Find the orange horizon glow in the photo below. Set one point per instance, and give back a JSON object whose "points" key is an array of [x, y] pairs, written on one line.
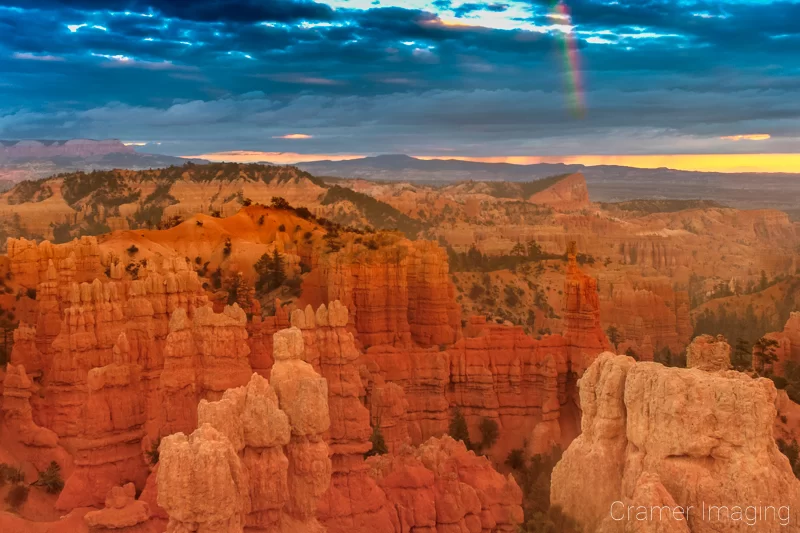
{"points": [[294, 136], [727, 163], [750, 137]]}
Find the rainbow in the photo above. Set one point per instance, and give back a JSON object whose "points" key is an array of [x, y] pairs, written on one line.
{"points": [[572, 68]]}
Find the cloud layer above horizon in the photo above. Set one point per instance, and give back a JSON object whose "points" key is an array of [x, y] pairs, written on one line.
{"points": [[427, 77]]}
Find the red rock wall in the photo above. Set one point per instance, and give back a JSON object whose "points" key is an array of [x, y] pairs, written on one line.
{"points": [[397, 294]]}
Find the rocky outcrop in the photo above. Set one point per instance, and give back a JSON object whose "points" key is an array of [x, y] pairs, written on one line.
{"points": [[201, 482], [441, 487], [91, 325], [203, 357], [499, 372], [109, 433], [707, 436], [395, 294], [20, 434], [77, 261], [569, 194], [547, 433], [259, 338], [583, 334], [424, 375], [303, 396], [709, 353], [258, 453], [258, 430], [788, 348], [122, 513], [388, 411], [329, 347], [645, 309]]}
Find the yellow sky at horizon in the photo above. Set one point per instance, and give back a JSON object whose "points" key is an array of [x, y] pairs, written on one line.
{"points": [[693, 162]]}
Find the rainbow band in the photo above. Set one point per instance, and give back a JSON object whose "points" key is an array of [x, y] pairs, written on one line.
{"points": [[575, 94]]}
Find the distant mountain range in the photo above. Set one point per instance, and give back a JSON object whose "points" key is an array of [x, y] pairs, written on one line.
{"points": [[34, 159], [606, 183]]}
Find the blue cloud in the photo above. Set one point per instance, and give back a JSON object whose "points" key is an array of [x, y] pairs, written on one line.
{"points": [[692, 70]]}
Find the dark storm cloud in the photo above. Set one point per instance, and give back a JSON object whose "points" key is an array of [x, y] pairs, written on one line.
{"points": [[203, 11], [466, 9], [204, 76]]}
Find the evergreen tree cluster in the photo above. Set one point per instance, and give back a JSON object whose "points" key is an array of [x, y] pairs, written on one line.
{"points": [[270, 272]]}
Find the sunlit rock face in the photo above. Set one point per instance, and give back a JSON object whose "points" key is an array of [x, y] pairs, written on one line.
{"points": [[709, 353], [258, 459], [670, 434], [396, 294]]}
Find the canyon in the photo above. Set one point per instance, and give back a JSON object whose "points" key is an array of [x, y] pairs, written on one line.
{"points": [[299, 367]]}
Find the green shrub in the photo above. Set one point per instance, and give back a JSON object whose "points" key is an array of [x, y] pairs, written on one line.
{"points": [[153, 454], [378, 443], [458, 428], [17, 496], [51, 479], [9, 474], [489, 432], [516, 459]]}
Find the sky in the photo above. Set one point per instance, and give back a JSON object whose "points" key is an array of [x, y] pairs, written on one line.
{"points": [[652, 82]]}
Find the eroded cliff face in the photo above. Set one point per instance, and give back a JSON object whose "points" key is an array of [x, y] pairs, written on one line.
{"points": [[788, 347], [123, 362], [258, 459], [583, 335], [399, 294], [331, 349], [569, 194], [641, 441], [441, 487], [109, 432]]}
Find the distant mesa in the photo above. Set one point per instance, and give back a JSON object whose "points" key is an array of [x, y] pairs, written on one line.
{"points": [[33, 159], [26, 149]]}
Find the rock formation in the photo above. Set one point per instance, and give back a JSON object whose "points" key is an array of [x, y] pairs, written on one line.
{"points": [[498, 372], [583, 334], [329, 347], [388, 411], [258, 453], [122, 513], [569, 194], [77, 261], [398, 293], [91, 325], [709, 353], [707, 436], [203, 357], [107, 444], [788, 340], [201, 483], [441, 487], [19, 433]]}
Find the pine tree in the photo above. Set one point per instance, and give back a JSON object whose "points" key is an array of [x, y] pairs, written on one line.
{"points": [[276, 273], [378, 443], [742, 355], [613, 335], [458, 428]]}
